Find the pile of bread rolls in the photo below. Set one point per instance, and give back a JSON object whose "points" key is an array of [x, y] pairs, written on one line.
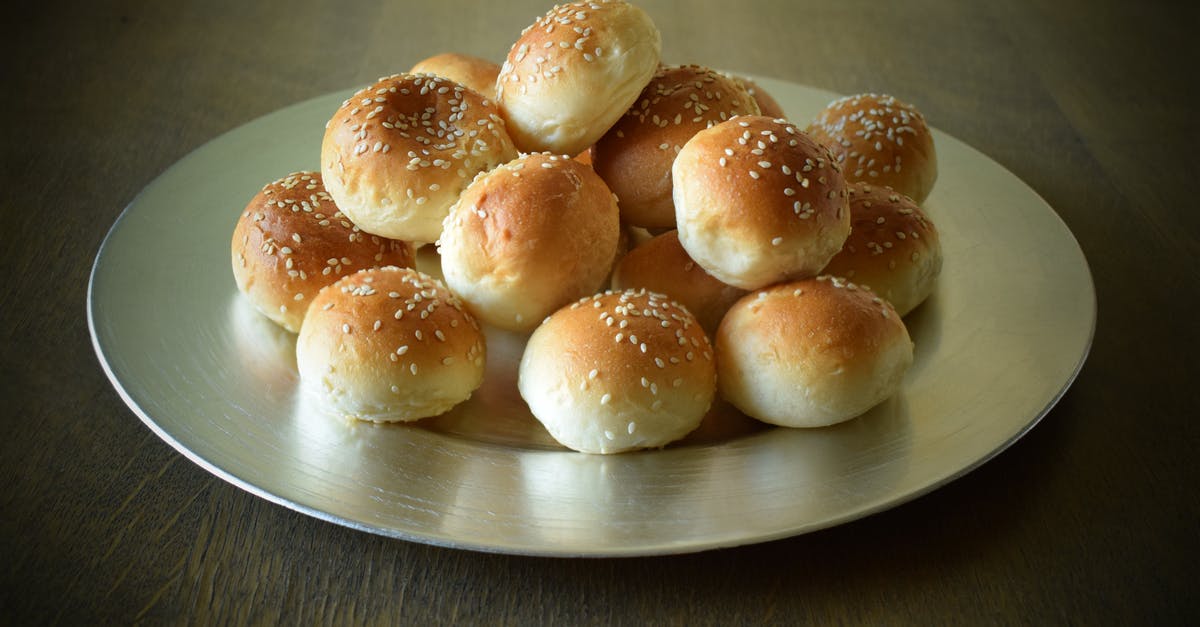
{"points": [[662, 233]]}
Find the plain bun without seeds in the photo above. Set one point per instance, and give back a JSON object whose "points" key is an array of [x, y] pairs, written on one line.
{"points": [[811, 353], [470, 72], [618, 371], [397, 154], [574, 72], [528, 238], [893, 248], [291, 241], [758, 201], [389, 344], [634, 157]]}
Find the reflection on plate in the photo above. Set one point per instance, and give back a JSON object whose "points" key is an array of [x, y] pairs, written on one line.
{"points": [[997, 344]]}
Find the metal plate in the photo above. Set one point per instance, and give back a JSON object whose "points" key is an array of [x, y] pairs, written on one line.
{"points": [[998, 343]]}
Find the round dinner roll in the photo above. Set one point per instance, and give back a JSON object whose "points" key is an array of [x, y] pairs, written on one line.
{"points": [[292, 240], [662, 265], [471, 72], [618, 371], [634, 157], [758, 202], [574, 72], [389, 344], [811, 353], [892, 249], [766, 103], [397, 154], [529, 237], [879, 140]]}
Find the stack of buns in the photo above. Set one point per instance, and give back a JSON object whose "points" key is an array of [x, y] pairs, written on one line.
{"points": [[749, 257]]}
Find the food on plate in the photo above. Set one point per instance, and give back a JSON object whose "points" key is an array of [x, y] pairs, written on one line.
{"points": [[662, 265], [618, 371], [389, 344], [634, 157], [574, 72], [766, 103], [879, 140], [811, 353], [468, 71], [529, 237], [758, 201], [893, 247], [397, 154], [291, 240]]}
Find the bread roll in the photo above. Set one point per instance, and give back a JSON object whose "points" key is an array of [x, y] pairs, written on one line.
{"points": [[662, 265], [767, 105], [574, 72], [634, 157], [892, 249], [811, 353], [758, 202], [880, 140], [292, 240], [618, 371], [389, 344], [470, 72], [397, 154], [529, 237]]}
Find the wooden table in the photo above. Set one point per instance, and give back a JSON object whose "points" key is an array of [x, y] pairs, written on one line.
{"points": [[1091, 518]]}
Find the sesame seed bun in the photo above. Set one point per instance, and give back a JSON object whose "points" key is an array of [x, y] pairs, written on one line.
{"points": [[574, 72], [766, 103], [292, 240], [758, 202], [397, 154], [389, 344], [634, 157], [470, 72], [529, 237], [662, 265], [880, 140], [811, 353], [618, 371], [892, 249]]}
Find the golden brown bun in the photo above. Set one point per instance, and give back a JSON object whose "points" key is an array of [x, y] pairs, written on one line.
{"points": [[662, 265], [892, 249], [389, 344], [758, 202], [397, 154], [618, 371], [574, 72], [766, 104], [811, 353], [881, 141], [291, 241], [529, 237], [634, 157], [471, 72]]}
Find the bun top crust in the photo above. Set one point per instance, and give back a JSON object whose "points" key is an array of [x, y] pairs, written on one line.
{"points": [[397, 154], [528, 238], [879, 140], [292, 240], [574, 72], [470, 72], [662, 265], [768, 106], [758, 201], [634, 157], [893, 248]]}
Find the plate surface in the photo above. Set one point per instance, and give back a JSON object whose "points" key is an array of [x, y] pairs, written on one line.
{"points": [[998, 343]]}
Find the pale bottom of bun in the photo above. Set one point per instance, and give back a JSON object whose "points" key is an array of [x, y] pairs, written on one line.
{"points": [[379, 405], [804, 395]]}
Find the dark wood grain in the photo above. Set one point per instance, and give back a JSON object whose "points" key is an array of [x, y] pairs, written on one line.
{"points": [[1092, 518]]}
